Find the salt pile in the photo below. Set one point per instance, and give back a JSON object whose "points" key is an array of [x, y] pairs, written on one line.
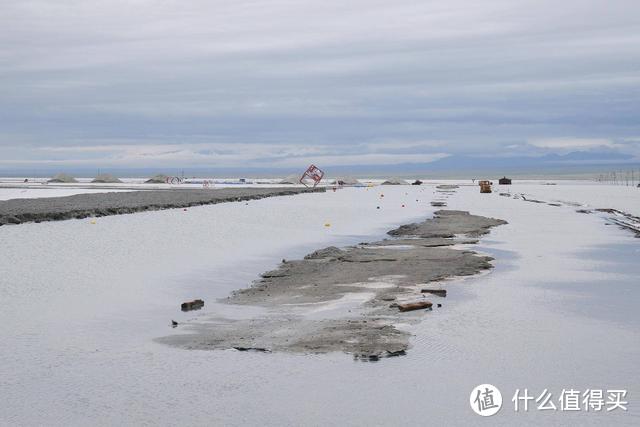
{"points": [[63, 178], [106, 178]]}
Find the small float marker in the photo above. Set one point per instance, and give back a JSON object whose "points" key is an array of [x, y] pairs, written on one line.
{"points": [[327, 225]]}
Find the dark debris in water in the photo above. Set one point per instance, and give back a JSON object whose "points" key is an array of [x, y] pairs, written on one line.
{"points": [[377, 357]]}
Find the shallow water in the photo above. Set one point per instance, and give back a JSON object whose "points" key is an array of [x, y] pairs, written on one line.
{"points": [[82, 304]]}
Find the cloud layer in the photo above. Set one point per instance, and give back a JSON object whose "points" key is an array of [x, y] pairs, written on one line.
{"points": [[287, 82]]}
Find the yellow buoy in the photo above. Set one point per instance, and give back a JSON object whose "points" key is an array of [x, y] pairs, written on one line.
{"points": [[327, 225], [93, 221]]}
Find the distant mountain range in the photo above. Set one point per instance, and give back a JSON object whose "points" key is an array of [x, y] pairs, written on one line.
{"points": [[574, 164], [584, 164]]}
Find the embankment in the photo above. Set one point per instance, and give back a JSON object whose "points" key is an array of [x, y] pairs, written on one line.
{"points": [[18, 211]]}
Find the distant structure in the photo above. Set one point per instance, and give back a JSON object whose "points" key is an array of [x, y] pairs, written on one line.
{"points": [[63, 178], [485, 186], [106, 178], [504, 181]]}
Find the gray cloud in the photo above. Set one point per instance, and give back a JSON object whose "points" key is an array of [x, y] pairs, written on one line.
{"points": [[264, 82]]}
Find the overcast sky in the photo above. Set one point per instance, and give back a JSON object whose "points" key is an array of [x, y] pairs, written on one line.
{"points": [[283, 83]]}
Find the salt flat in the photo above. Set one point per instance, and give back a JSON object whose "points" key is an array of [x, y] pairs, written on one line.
{"points": [[587, 194], [83, 303]]}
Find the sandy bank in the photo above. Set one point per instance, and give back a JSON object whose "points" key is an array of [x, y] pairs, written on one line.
{"points": [[18, 211], [346, 299]]}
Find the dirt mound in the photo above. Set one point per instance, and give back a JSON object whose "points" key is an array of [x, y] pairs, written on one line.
{"points": [[106, 178], [63, 178], [395, 181], [346, 180], [291, 179], [158, 179]]}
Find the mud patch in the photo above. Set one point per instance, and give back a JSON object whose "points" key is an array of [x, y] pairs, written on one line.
{"points": [[18, 211], [346, 299]]}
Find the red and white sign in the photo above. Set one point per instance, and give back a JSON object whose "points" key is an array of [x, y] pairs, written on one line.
{"points": [[312, 176]]}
